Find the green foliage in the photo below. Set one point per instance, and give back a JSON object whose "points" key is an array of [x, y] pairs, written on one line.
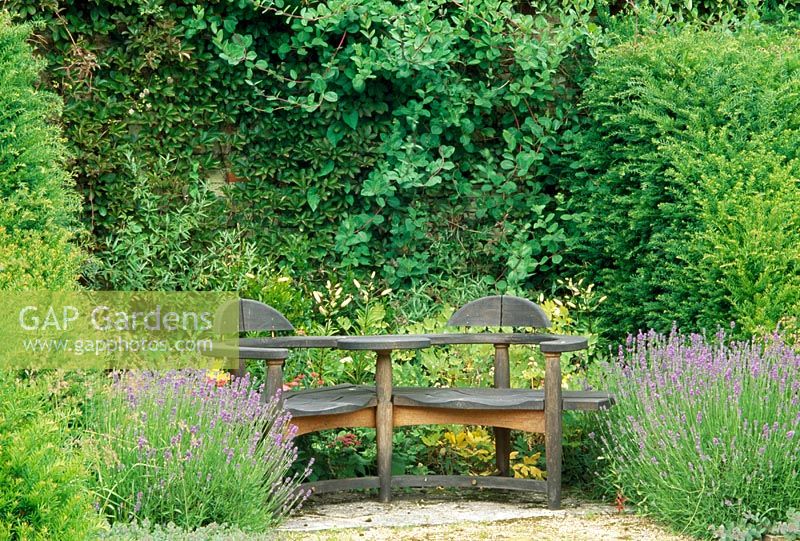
{"points": [[687, 180], [280, 291], [163, 242], [456, 113], [341, 453], [43, 483], [420, 140], [416, 139], [751, 240], [37, 204]]}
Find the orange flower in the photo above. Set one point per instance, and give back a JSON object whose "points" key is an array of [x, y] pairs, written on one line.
{"points": [[219, 377]]}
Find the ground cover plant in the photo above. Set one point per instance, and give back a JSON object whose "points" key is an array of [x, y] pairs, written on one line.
{"points": [[145, 531], [184, 448], [705, 435]]}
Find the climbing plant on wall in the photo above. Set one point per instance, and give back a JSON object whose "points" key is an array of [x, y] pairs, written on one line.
{"points": [[414, 139]]}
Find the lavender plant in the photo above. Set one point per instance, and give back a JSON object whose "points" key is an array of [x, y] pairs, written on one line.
{"points": [[180, 447], [705, 431]]}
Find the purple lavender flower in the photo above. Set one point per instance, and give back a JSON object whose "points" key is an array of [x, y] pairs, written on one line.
{"points": [[138, 506], [719, 417], [224, 424]]}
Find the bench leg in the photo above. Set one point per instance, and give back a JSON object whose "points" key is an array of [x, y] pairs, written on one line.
{"points": [[502, 449], [502, 436], [241, 370], [553, 427], [384, 423], [274, 379]]}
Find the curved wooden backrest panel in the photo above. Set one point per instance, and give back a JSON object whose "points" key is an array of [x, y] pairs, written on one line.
{"points": [[254, 316], [500, 311]]}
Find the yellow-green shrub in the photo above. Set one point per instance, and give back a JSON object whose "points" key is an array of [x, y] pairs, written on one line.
{"points": [[37, 205], [43, 483]]}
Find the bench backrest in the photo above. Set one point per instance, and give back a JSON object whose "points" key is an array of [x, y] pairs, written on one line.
{"points": [[500, 311], [254, 316]]}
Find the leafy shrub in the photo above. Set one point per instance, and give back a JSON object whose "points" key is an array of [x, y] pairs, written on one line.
{"points": [[705, 432], [37, 205], [470, 450], [686, 180], [282, 292], [178, 447], [436, 157], [164, 242], [43, 483]]}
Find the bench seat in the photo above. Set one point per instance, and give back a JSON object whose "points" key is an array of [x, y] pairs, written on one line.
{"points": [[348, 398], [496, 399], [331, 400]]}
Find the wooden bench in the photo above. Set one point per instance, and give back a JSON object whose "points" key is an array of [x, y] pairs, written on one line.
{"points": [[384, 407]]}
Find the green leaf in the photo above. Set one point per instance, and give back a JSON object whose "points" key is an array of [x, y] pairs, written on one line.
{"points": [[334, 134], [327, 168], [351, 118], [313, 198]]}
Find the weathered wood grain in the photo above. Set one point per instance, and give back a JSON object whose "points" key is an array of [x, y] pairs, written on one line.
{"points": [[252, 316], [291, 342], [274, 380], [466, 481], [387, 342], [500, 311], [469, 398], [562, 343], [329, 400], [314, 423], [550, 342], [553, 428], [427, 481], [518, 312], [502, 436], [339, 485], [525, 420], [384, 423], [224, 349], [485, 312], [489, 398]]}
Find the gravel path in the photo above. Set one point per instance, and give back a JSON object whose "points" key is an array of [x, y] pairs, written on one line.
{"points": [[466, 515]]}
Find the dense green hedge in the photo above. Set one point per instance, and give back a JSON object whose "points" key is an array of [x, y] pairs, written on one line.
{"points": [[412, 138], [689, 177], [43, 478], [37, 206]]}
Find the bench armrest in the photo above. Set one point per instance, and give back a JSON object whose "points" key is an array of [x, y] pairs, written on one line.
{"points": [[548, 342], [563, 344]]}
